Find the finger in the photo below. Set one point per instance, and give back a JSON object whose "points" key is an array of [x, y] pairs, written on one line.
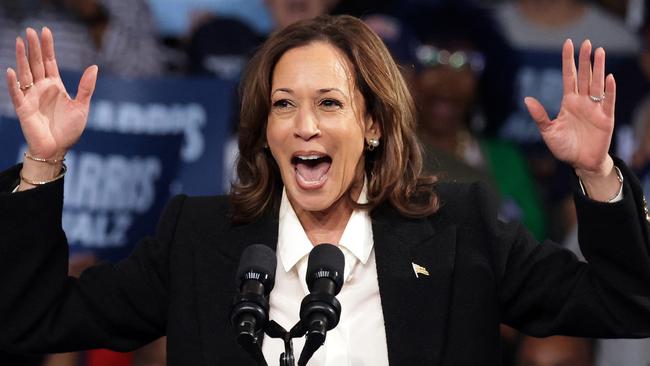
{"points": [[538, 113], [568, 68], [610, 95], [35, 56], [598, 79], [584, 68], [49, 58], [87, 85], [14, 91], [24, 73]]}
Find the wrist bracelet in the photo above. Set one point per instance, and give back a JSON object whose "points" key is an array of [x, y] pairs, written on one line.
{"points": [[619, 175], [618, 194], [41, 160], [64, 169]]}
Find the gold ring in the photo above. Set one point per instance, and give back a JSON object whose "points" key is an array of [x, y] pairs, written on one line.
{"points": [[25, 87], [597, 99]]}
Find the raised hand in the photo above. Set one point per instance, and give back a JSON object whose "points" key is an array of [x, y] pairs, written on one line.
{"points": [[50, 120], [582, 132]]}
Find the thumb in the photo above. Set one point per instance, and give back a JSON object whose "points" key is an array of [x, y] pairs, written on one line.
{"points": [[538, 113], [87, 85]]}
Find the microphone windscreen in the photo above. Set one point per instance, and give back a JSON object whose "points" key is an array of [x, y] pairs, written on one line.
{"points": [[257, 262], [326, 260]]}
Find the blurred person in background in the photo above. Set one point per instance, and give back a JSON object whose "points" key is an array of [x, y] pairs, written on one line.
{"points": [[120, 36], [535, 28], [463, 88], [556, 351]]}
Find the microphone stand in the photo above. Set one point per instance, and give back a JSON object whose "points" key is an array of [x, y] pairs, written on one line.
{"points": [[320, 311], [251, 343], [275, 330], [314, 339]]}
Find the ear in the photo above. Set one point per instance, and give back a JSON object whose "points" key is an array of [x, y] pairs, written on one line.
{"points": [[373, 129]]}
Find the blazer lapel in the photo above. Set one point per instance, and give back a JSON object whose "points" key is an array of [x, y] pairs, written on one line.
{"points": [[216, 266], [415, 307]]}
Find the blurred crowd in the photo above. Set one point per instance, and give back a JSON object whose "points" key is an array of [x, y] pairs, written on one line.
{"points": [[469, 65]]}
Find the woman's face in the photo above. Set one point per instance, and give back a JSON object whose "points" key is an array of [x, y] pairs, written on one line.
{"points": [[317, 126], [446, 96]]}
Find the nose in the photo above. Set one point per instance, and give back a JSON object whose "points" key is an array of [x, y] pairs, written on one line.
{"points": [[306, 124]]}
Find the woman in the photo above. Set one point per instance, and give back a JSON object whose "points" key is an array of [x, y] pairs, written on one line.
{"points": [[431, 271], [466, 74]]}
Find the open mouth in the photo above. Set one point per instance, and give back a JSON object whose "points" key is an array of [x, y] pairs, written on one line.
{"points": [[311, 168]]}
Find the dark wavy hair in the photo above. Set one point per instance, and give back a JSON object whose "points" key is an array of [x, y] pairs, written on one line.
{"points": [[393, 169]]}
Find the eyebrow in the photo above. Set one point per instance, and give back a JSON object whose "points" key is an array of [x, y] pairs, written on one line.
{"points": [[320, 91], [326, 90], [286, 90]]}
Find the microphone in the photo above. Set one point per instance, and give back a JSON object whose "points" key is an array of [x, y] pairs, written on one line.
{"points": [[320, 310], [250, 310]]}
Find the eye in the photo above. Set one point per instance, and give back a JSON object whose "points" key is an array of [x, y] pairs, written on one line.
{"points": [[282, 104], [330, 103]]}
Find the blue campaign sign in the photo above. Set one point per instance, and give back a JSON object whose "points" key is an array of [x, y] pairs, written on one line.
{"points": [[197, 108], [141, 137], [115, 187]]}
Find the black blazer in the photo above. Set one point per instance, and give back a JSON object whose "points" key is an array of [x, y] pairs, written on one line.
{"points": [[181, 282]]}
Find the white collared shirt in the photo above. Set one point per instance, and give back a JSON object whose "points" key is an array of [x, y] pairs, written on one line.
{"points": [[360, 338]]}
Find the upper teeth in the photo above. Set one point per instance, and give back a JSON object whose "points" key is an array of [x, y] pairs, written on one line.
{"points": [[309, 157]]}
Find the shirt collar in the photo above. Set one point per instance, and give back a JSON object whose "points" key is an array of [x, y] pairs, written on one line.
{"points": [[293, 243]]}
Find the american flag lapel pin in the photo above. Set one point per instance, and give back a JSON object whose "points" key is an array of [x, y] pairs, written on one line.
{"points": [[419, 270]]}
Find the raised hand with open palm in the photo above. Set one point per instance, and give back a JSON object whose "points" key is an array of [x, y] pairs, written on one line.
{"points": [[51, 121], [581, 133]]}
